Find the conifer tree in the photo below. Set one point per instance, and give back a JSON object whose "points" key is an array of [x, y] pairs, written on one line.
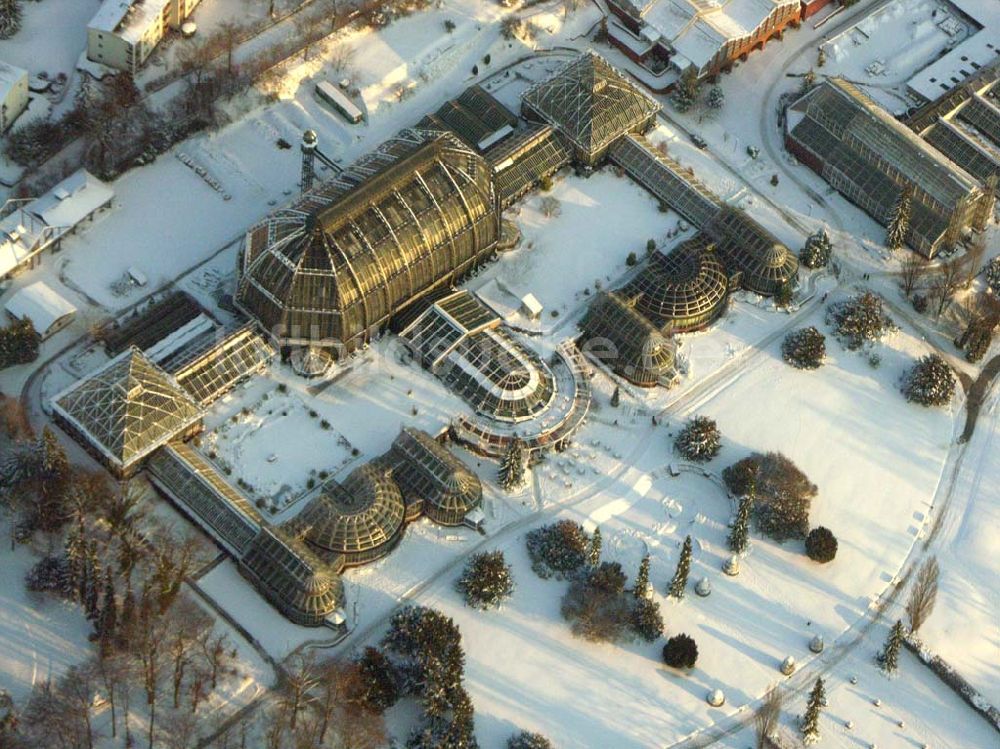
{"points": [[739, 534], [107, 623], [616, 397], [889, 657], [899, 223], [594, 554], [810, 721], [74, 548], [511, 474], [10, 18], [679, 583], [641, 587], [53, 479]]}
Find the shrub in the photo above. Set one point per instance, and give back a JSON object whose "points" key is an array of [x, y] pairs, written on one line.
{"points": [[449, 25], [647, 621], [379, 690], [631, 260], [817, 250], [993, 274], [681, 651], [859, 320], [18, 344], [486, 581], [821, 545], [804, 348], [930, 382], [699, 440], [558, 549], [526, 740], [545, 183], [782, 493]]}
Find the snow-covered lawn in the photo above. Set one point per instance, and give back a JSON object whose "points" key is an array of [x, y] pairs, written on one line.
{"points": [[42, 636], [53, 35], [964, 628], [876, 460]]}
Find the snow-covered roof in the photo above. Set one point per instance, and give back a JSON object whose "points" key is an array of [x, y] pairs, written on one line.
{"points": [[531, 304], [953, 68], [71, 201], [698, 29], [128, 19], [18, 240], [41, 304], [10, 75]]}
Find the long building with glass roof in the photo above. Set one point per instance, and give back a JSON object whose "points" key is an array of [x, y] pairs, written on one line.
{"points": [[871, 158]]}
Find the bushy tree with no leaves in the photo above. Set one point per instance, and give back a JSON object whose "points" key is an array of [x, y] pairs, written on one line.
{"points": [[821, 545], [681, 651], [782, 493], [859, 320], [700, 440], [930, 382], [487, 580], [10, 18], [596, 605], [804, 348]]}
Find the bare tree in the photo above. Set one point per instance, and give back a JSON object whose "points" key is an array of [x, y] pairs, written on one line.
{"points": [[229, 35], [549, 206], [766, 716], [974, 257], [923, 594], [946, 283], [301, 678], [912, 269]]}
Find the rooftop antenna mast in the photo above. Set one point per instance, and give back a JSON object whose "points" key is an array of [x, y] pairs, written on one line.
{"points": [[310, 153]]}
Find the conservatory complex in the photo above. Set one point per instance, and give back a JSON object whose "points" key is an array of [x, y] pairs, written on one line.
{"points": [[871, 158]]}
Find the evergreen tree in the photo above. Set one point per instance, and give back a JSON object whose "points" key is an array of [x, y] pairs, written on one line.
{"points": [[810, 721], [641, 587], [686, 92], [679, 583], [899, 223], [53, 483], [739, 534], [107, 623], [817, 250], [74, 548], [594, 553], [716, 99], [616, 397], [511, 474], [10, 18], [380, 690], [889, 657]]}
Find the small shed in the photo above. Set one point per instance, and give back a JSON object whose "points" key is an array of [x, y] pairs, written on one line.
{"points": [[531, 307], [45, 308]]}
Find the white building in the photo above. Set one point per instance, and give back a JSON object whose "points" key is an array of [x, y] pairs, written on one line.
{"points": [[13, 93], [43, 306], [33, 226], [123, 33]]}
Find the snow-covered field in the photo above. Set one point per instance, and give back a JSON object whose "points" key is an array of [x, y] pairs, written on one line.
{"points": [[873, 492]]}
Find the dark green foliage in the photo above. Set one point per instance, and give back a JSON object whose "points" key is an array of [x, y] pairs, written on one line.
{"points": [[381, 690], [647, 621], [930, 382], [526, 740], [631, 260], [616, 397], [558, 549], [680, 579], [889, 657], [641, 587], [681, 651], [511, 473], [782, 493], [18, 344], [739, 534], [449, 25], [804, 348], [859, 320], [817, 250], [487, 581], [821, 545], [810, 721], [899, 223], [49, 575], [594, 553], [699, 440]]}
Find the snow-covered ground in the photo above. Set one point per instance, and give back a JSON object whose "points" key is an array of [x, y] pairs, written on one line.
{"points": [[581, 694], [965, 626], [52, 37]]}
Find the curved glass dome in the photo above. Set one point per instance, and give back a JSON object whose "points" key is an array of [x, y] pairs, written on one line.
{"points": [[683, 290], [765, 264], [336, 265], [359, 520]]}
